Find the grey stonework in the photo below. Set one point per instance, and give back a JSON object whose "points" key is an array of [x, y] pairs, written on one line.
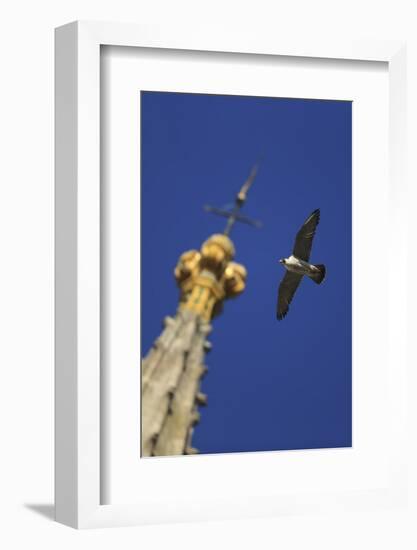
{"points": [[171, 375]]}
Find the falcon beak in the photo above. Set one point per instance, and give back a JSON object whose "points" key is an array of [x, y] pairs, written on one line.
{"points": [[281, 261]]}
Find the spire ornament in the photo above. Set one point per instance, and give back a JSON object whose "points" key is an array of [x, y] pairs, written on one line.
{"points": [[207, 277]]}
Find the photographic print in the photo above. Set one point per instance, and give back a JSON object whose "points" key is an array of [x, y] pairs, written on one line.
{"points": [[246, 274]]}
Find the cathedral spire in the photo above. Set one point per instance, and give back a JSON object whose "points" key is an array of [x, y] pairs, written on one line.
{"points": [[173, 368]]}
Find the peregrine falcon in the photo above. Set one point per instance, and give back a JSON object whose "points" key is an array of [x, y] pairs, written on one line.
{"points": [[297, 265]]}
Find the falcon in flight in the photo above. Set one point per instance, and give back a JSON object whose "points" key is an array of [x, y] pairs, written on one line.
{"points": [[297, 265]]}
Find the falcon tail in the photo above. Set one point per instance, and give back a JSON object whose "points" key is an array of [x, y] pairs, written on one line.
{"points": [[319, 277]]}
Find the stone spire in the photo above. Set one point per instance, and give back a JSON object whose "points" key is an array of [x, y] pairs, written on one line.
{"points": [[173, 369]]}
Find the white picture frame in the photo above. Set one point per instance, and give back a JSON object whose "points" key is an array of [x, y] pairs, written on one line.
{"points": [[78, 449]]}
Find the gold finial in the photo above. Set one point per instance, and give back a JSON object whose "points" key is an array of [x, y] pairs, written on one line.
{"points": [[207, 277]]}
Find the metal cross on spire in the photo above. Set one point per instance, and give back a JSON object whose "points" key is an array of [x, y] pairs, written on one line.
{"points": [[233, 213]]}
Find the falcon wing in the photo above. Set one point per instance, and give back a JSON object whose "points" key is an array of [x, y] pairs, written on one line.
{"points": [[304, 238], [286, 291]]}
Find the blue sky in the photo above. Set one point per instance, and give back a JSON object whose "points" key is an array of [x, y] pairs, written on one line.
{"points": [[271, 385]]}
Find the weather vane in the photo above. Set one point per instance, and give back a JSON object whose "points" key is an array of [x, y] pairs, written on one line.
{"points": [[232, 212]]}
